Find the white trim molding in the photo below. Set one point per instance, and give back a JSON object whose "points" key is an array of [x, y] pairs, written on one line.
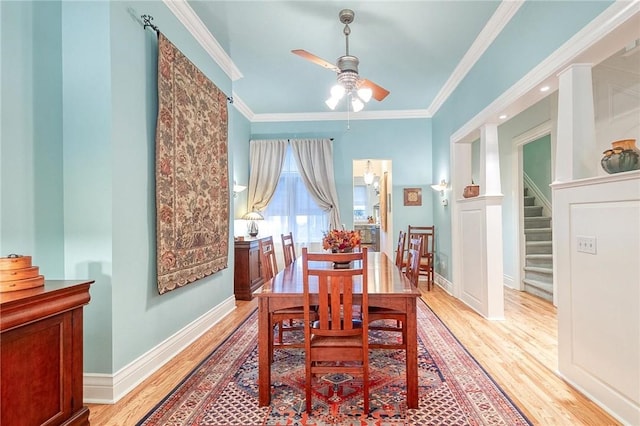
{"points": [[342, 116], [501, 17], [110, 388], [199, 31]]}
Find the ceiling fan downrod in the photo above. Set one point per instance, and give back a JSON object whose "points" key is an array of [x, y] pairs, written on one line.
{"points": [[346, 17]]}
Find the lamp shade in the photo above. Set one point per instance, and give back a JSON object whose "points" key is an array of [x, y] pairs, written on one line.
{"points": [[252, 225], [252, 215]]}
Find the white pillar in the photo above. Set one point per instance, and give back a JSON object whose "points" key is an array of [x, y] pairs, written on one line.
{"points": [[576, 151], [489, 160]]}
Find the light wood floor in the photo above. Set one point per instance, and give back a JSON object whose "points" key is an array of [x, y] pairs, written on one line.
{"points": [[520, 354]]}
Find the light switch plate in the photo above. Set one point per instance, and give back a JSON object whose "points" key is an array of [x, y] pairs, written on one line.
{"points": [[586, 244]]}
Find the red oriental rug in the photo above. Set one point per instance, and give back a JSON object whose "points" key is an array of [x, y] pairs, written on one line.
{"points": [[453, 387]]}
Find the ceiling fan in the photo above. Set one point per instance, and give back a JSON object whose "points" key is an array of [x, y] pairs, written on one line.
{"points": [[349, 81]]}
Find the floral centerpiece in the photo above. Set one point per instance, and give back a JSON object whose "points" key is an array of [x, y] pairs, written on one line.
{"points": [[340, 241]]}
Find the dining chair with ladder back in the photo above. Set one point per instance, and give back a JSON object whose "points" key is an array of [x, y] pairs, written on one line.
{"points": [[340, 333], [413, 260], [377, 314], [288, 248], [269, 267], [427, 254], [400, 250]]}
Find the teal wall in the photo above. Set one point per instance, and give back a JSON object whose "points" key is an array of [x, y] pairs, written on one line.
{"points": [[79, 93], [31, 133], [76, 155], [536, 31], [407, 143], [537, 164]]}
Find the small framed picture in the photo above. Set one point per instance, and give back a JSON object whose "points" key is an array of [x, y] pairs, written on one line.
{"points": [[413, 196]]}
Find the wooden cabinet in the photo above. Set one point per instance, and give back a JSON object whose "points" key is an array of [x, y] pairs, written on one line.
{"points": [[247, 276], [41, 355]]}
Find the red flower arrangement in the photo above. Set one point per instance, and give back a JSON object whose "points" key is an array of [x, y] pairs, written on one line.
{"points": [[340, 241]]}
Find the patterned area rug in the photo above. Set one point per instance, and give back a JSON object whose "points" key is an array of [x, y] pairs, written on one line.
{"points": [[453, 388]]}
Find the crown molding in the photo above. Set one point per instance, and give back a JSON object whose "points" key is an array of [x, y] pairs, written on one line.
{"points": [[503, 14], [191, 21], [243, 108], [524, 94], [341, 116]]}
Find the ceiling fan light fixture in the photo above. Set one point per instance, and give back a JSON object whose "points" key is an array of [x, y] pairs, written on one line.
{"points": [[368, 174], [337, 92], [356, 104], [332, 102], [365, 94]]}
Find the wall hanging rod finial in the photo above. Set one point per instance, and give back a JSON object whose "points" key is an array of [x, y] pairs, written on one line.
{"points": [[146, 19]]}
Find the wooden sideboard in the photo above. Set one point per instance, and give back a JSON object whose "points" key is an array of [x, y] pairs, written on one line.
{"points": [[247, 275], [41, 354]]}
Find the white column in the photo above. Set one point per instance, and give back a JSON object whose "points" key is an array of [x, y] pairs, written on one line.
{"points": [[576, 151], [489, 161]]}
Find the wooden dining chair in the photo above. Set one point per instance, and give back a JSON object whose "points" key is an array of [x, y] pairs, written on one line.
{"points": [[340, 333], [400, 250], [288, 248], [269, 268], [377, 314], [268, 262], [413, 260], [427, 255]]}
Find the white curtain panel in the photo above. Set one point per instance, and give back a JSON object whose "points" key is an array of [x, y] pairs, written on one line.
{"points": [[266, 159], [315, 164]]}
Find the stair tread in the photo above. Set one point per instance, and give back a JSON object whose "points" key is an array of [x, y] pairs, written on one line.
{"points": [[534, 230], [539, 256], [539, 269], [539, 284], [538, 243]]}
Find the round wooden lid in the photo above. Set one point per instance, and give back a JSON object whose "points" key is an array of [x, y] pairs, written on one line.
{"points": [[14, 261]]}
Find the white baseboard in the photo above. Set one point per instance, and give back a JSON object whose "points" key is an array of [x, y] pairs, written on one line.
{"points": [[442, 282], [508, 281], [110, 388]]}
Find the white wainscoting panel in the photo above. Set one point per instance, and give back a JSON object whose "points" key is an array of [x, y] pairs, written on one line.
{"points": [[599, 293]]}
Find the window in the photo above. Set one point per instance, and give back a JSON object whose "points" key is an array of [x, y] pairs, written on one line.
{"points": [[293, 209], [359, 202]]}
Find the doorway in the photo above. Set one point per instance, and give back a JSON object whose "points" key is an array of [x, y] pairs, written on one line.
{"points": [[535, 237]]}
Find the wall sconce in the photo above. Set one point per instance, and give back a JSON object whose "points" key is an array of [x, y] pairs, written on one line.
{"points": [[237, 189], [440, 186]]}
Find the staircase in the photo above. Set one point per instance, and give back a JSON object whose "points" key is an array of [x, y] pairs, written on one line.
{"points": [[538, 269]]}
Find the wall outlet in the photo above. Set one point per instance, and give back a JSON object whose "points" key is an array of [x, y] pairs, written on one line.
{"points": [[586, 244], [444, 202]]}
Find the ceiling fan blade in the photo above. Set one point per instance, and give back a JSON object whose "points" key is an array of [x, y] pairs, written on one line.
{"points": [[378, 92], [315, 59]]}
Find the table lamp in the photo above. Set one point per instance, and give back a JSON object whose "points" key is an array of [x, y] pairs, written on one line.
{"points": [[252, 226]]}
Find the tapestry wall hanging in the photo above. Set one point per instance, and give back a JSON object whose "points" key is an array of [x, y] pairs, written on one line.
{"points": [[192, 191]]}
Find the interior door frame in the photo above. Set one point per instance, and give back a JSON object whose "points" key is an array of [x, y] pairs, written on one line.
{"points": [[517, 165]]}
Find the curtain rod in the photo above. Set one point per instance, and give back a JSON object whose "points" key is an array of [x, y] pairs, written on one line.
{"points": [[147, 23], [289, 140], [146, 20]]}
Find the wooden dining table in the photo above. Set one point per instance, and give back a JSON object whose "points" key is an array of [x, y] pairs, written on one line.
{"points": [[387, 288]]}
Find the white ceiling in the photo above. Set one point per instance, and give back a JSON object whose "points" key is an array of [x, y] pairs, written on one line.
{"points": [[418, 50]]}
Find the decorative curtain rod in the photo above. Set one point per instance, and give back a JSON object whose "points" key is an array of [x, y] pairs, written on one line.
{"points": [[147, 23], [146, 20], [289, 140]]}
